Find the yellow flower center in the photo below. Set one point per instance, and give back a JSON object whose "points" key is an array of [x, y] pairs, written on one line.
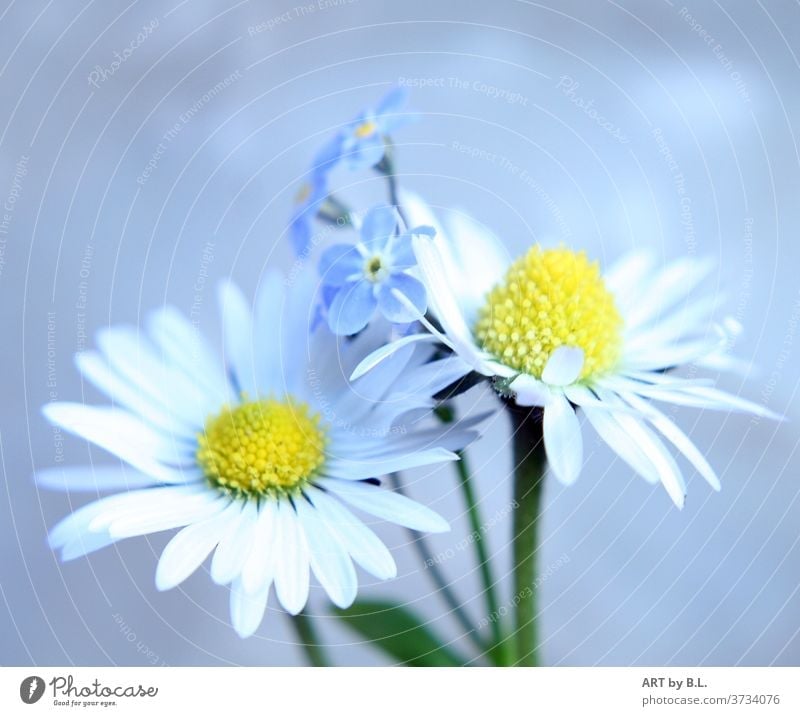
{"points": [[365, 129], [373, 269], [303, 193], [551, 298], [262, 447]]}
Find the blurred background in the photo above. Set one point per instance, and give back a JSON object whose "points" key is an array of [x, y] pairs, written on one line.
{"points": [[148, 149]]}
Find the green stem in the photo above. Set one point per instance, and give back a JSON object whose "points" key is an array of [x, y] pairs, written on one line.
{"points": [[386, 167], [442, 586], [529, 468], [307, 636], [476, 526]]}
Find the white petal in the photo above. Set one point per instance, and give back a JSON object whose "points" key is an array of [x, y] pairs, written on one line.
{"points": [[677, 437], [703, 397], [95, 368], [72, 536], [75, 524], [666, 468], [166, 518], [364, 469], [530, 392], [360, 541], [563, 366], [148, 502], [614, 435], [259, 567], [84, 544], [386, 351], [385, 504], [187, 550], [292, 562], [670, 356], [92, 478], [442, 301], [669, 286], [562, 440], [122, 435], [237, 326], [267, 318], [430, 378], [247, 608], [182, 343], [235, 545], [133, 357], [330, 561]]}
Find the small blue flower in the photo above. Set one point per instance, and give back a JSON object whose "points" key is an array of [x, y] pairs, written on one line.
{"points": [[363, 139], [359, 278], [312, 194]]}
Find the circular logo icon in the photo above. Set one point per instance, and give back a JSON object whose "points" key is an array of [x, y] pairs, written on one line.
{"points": [[31, 689]]}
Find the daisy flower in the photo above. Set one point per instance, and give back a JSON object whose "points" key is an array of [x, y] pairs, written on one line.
{"points": [[262, 461], [360, 278], [554, 332]]}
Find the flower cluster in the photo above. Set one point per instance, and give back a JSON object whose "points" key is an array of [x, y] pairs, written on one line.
{"points": [[266, 458]]}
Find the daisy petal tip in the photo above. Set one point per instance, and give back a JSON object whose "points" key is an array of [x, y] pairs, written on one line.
{"points": [[245, 631], [564, 366], [438, 524]]}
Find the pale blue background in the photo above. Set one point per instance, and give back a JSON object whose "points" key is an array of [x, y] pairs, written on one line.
{"points": [[645, 583]]}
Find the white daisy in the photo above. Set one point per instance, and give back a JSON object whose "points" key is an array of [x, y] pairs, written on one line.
{"points": [[552, 332], [260, 464]]}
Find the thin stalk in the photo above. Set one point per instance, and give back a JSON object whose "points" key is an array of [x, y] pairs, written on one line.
{"points": [[386, 167], [481, 555], [530, 463], [307, 637], [421, 546]]}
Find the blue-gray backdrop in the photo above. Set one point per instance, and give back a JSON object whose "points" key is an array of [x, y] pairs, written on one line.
{"points": [[148, 149]]}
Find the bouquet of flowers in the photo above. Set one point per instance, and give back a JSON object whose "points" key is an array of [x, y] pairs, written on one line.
{"points": [[266, 456]]}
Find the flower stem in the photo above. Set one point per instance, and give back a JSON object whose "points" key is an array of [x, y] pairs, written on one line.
{"points": [[307, 636], [480, 546], [386, 167], [442, 586], [529, 469]]}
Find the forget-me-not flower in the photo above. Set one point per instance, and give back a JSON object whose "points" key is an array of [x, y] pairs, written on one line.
{"points": [[363, 141], [373, 274]]}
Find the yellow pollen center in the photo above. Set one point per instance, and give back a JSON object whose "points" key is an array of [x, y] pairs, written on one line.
{"points": [[373, 268], [303, 193], [551, 298], [261, 447], [365, 129]]}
